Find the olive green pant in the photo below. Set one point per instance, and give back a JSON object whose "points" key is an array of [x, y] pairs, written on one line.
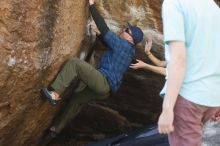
{"points": [[97, 88]]}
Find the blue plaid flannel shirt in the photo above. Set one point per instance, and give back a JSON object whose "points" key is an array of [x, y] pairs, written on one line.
{"points": [[116, 59]]}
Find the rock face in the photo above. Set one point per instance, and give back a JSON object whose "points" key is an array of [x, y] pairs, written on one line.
{"points": [[38, 36]]}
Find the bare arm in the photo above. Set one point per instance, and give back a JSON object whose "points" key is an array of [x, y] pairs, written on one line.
{"points": [[141, 65], [156, 69], [176, 71], [154, 59]]}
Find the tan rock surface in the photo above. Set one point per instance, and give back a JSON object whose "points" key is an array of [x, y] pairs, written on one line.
{"points": [[36, 37]]}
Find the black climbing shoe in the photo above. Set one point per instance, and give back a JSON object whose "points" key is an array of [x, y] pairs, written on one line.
{"points": [[50, 96]]}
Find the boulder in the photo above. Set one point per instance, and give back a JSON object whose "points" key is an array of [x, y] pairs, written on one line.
{"points": [[38, 36]]}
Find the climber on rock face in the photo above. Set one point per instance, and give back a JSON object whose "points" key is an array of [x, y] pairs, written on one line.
{"points": [[107, 77], [115, 61]]}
